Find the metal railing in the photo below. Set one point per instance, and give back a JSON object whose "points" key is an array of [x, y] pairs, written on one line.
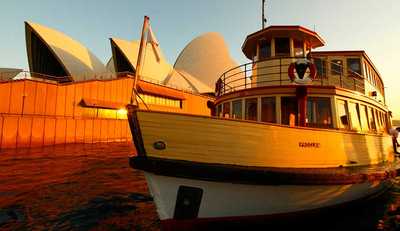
{"points": [[274, 72]]}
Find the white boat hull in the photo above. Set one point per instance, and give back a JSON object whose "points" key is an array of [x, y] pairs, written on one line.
{"points": [[227, 200]]}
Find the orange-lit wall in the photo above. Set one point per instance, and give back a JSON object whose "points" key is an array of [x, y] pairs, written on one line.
{"points": [[36, 113]]}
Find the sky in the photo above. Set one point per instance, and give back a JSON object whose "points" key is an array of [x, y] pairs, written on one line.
{"points": [[368, 25]]}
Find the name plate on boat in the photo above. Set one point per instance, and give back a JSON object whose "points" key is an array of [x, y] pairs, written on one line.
{"points": [[309, 145]]}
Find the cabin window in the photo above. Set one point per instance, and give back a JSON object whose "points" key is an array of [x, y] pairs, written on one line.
{"points": [[343, 114], [371, 118], [219, 110], [251, 109], [354, 65], [319, 112], [282, 47], [378, 120], [321, 67], [354, 116], [265, 49], [268, 109], [237, 109], [336, 67], [298, 48], [364, 118], [226, 110], [289, 111]]}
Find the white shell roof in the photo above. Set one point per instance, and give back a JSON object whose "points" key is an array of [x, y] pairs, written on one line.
{"points": [[153, 67], [206, 58], [78, 61], [184, 80]]}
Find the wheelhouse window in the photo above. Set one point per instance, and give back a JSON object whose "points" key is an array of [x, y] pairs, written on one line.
{"points": [[265, 49], [289, 111], [319, 112], [251, 109], [336, 67], [268, 109], [364, 118], [226, 110], [354, 65], [282, 47], [354, 116], [343, 114], [298, 48], [237, 109], [320, 65]]}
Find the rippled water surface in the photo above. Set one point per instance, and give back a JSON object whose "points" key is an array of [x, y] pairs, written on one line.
{"points": [[92, 187]]}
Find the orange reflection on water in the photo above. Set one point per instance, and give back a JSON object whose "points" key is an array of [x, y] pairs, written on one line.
{"points": [[76, 186]]}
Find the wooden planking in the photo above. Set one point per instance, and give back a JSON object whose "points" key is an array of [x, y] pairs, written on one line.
{"points": [[24, 132], [10, 131], [30, 95], [88, 131], [70, 131], [49, 131], [5, 91], [37, 132], [231, 142], [17, 92], [60, 104], [51, 100], [61, 129]]}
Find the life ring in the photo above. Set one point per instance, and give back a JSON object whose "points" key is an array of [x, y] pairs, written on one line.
{"points": [[294, 75]]}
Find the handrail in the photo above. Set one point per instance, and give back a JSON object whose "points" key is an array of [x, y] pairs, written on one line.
{"points": [[251, 75]]}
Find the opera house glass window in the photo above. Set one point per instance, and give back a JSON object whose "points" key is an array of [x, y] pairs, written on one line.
{"points": [[251, 109], [268, 109], [319, 112], [237, 109]]}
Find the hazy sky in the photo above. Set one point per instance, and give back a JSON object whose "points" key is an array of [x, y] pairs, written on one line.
{"points": [[369, 25]]}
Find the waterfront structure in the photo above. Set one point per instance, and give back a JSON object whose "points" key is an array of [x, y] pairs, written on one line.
{"points": [[293, 131], [70, 96]]}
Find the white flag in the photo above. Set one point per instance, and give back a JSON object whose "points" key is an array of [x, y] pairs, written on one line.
{"points": [[153, 41], [150, 37]]}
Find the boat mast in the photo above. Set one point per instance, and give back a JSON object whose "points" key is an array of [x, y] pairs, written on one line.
{"points": [[142, 43], [264, 20]]}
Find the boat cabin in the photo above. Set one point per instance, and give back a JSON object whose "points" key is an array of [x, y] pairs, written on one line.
{"points": [[289, 84]]}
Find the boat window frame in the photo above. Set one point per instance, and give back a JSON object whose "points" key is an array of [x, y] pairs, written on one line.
{"points": [[334, 63], [358, 113], [339, 123], [326, 98]]}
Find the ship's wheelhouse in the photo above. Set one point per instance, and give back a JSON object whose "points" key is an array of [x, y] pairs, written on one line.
{"points": [[344, 90]]}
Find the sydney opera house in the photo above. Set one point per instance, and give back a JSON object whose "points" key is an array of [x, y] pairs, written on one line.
{"points": [[70, 96]]}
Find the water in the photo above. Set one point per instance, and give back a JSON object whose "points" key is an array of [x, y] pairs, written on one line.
{"points": [[92, 187]]}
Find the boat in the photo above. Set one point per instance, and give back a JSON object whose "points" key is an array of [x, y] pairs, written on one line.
{"points": [[292, 131]]}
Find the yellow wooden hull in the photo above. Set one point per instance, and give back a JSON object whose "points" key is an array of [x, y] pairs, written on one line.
{"points": [[223, 141]]}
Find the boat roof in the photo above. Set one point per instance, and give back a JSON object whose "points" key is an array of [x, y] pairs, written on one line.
{"points": [[298, 32]]}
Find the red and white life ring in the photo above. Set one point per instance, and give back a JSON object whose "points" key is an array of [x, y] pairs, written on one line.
{"points": [[307, 76]]}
